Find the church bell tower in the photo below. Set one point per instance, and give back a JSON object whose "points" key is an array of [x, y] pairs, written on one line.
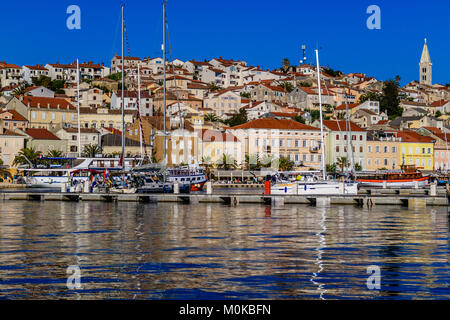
{"points": [[426, 67]]}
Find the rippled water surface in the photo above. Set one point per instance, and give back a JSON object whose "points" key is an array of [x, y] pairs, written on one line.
{"points": [[166, 251]]}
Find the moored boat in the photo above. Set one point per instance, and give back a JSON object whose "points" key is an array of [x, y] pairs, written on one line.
{"points": [[408, 177]]}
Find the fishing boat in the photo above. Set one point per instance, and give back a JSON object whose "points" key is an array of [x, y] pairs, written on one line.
{"points": [[318, 187], [408, 177]]}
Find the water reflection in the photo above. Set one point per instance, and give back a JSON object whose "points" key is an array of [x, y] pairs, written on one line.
{"points": [[136, 251]]}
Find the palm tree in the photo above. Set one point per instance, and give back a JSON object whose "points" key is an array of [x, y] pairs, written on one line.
{"points": [[266, 161], [342, 163], [27, 153], [214, 87], [285, 164], [252, 162], [19, 91], [331, 168], [227, 162], [54, 154], [91, 151], [211, 117]]}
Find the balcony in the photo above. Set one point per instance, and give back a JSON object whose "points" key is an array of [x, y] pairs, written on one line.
{"points": [[314, 150]]}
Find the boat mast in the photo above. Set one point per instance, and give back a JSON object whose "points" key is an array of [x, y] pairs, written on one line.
{"points": [[324, 168], [140, 110], [78, 104], [165, 92], [348, 125], [123, 88]]}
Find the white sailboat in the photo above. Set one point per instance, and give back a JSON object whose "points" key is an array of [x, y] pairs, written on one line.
{"points": [[321, 187]]}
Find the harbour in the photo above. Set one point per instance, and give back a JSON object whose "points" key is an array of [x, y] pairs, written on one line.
{"points": [[239, 194], [130, 250]]}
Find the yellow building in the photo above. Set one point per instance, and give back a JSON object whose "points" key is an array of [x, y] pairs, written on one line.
{"points": [[416, 149], [97, 118], [45, 113]]}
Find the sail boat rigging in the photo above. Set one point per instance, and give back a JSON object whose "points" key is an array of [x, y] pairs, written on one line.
{"points": [[324, 187]]}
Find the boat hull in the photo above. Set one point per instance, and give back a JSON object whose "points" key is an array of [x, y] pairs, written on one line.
{"points": [[403, 183], [315, 189], [50, 182]]}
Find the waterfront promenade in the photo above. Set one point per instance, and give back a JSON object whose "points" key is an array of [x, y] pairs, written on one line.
{"points": [[234, 196]]}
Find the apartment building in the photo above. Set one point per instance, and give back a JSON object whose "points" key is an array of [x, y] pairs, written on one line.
{"points": [[272, 137]]}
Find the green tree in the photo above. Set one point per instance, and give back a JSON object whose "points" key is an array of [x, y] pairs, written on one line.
{"points": [[91, 150], [289, 87], [246, 95], [390, 101], [331, 72], [54, 154], [27, 153], [227, 162], [285, 164], [438, 114], [331, 168], [252, 162], [372, 96], [214, 87], [19, 91], [211, 117], [237, 119], [304, 84], [299, 119], [358, 167], [342, 163], [116, 76]]}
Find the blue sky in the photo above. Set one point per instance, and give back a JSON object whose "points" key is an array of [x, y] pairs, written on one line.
{"points": [[261, 32]]}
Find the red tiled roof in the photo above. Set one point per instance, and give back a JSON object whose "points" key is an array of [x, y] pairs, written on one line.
{"points": [[284, 114], [15, 115], [4, 65], [440, 103], [412, 136], [272, 123], [217, 136], [335, 125], [434, 130], [37, 67], [41, 134], [82, 130], [49, 103], [350, 106]]}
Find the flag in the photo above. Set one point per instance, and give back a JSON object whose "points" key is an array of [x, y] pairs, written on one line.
{"points": [[105, 175]]}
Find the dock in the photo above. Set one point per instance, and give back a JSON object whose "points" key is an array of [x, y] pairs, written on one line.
{"points": [[371, 197]]}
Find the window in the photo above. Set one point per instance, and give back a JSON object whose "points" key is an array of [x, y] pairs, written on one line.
{"points": [[394, 149], [44, 115], [378, 149], [361, 149], [369, 148], [386, 149], [386, 162], [337, 137], [337, 149]]}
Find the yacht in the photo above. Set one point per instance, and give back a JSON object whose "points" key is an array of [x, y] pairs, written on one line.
{"points": [[315, 187], [72, 169]]}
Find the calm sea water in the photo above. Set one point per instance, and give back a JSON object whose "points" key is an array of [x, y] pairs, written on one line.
{"points": [[165, 251]]}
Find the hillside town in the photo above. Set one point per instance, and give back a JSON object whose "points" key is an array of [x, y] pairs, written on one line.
{"points": [[224, 113]]}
